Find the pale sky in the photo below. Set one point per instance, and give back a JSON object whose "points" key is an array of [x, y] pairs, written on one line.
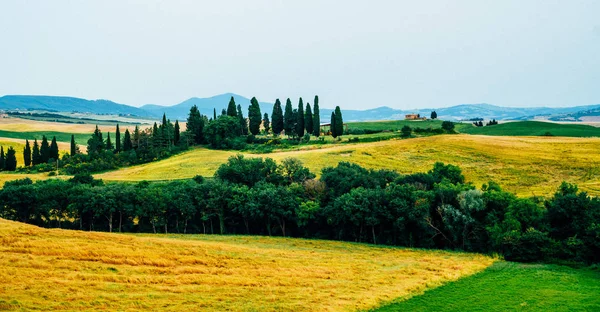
{"points": [[356, 54]]}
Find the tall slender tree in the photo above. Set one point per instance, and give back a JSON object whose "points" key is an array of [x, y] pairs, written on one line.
{"points": [[136, 137], [277, 118], [54, 149], [288, 123], [308, 119], [332, 126], [223, 112], [316, 117], [127, 144], [74, 148], [109, 145], [27, 154], [266, 123], [44, 150], [254, 116], [339, 122], [10, 163], [95, 143], [36, 158], [300, 119], [2, 159], [177, 134], [118, 139], [214, 113], [195, 125], [231, 108], [242, 121]]}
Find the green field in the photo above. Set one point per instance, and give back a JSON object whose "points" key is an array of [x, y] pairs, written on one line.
{"points": [[534, 128], [394, 125], [80, 138], [507, 286]]}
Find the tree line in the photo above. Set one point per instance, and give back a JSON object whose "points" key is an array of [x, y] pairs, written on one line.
{"points": [[436, 209]]}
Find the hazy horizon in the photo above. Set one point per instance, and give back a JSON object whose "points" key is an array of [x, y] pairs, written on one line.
{"points": [[354, 54]]}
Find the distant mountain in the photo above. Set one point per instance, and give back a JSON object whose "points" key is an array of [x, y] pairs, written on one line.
{"points": [[67, 104]]}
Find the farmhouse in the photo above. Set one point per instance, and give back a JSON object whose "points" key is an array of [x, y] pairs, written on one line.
{"points": [[326, 128], [414, 117]]}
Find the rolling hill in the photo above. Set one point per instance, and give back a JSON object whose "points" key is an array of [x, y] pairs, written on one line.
{"points": [[67, 104]]}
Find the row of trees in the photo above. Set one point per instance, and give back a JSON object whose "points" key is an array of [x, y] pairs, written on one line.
{"points": [[436, 209], [43, 153], [8, 162]]}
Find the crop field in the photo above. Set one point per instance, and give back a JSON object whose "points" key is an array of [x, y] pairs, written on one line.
{"points": [[51, 269], [524, 165], [394, 125], [24, 125], [535, 128], [506, 286]]}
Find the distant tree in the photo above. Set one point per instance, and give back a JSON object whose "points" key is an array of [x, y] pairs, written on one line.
{"points": [[27, 154], [36, 158], [433, 115], [294, 123], [221, 131], [277, 118], [214, 114], [266, 123], [177, 134], [339, 122], [242, 121], [254, 116], [300, 119], [54, 149], [2, 158], [136, 137], [316, 117], [109, 145], [223, 112], [127, 145], [231, 108], [448, 126], [332, 126], [287, 118], [118, 139], [95, 143], [10, 163], [406, 131], [195, 125], [44, 150], [308, 119], [74, 148]]}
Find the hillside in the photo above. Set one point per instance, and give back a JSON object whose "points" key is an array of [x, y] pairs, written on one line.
{"points": [[66, 104], [525, 165], [49, 269], [535, 128]]}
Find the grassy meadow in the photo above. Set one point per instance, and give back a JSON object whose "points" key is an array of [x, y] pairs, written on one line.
{"points": [[507, 286], [525, 165], [535, 128], [51, 269]]}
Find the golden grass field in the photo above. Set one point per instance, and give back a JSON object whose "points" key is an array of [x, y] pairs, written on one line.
{"points": [[524, 165], [51, 269], [25, 125]]}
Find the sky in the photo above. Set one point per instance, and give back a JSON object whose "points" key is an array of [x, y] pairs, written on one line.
{"points": [[355, 54]]}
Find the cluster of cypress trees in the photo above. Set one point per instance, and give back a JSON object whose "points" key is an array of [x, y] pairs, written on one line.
{"points": [[296, 122], [8, 162], [41, 153]]}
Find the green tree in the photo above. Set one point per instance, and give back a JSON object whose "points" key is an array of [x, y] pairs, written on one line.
{"points": [[118, 139], [277, 118], [308, 119], [220, 132], [10, 163], [223, 112], [127, 145], [448, 126], [316, 118], [242, 121], [288, 123], [95, 143], [332, 126], [109, 145], [266, 123], [27, 154], [433, 115], [54, 149], [2, 159], [254, 116], [136, 137], [339, 122], [195, 125], [406, 131], [44, 150], [36, 158], [300, 119], [214, 113], [177, 133], [231, 108], [74, 147]]}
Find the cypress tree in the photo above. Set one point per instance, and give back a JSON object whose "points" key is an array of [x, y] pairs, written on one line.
{"points": [[27, 154], [195, 125], [177, 134], [54, 149], [36, 158], [136, 137], [300, 119], [294, 123], [2, 159], [231, 108], [339, 122], [288, 126], [223, 112], [127, 145], [332, 126], [95, 143], [242, 121], [214, 114], [10, 163], [109, 146], [308, 119], [316, 117], [44, 150], [266, 123], [254, 116], [118, 139], [74, 148], [277, 118]]}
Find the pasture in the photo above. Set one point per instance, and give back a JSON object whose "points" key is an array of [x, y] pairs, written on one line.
{"points": [[535, 128], [50, 269]]}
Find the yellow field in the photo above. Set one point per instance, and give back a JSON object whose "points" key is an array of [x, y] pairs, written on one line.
{"points": [[25, 125], [524, 165], [42, 269]]}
